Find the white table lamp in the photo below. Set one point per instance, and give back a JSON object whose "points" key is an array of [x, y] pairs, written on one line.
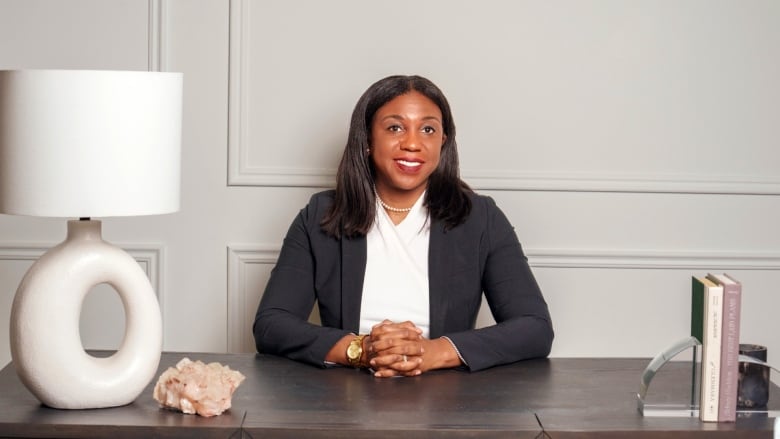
{"points": [[83, 144]]}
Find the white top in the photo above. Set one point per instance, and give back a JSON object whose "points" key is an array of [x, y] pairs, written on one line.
{"points": [[396, 280]]}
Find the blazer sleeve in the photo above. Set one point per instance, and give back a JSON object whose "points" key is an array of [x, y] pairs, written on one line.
{"points": [[281, 325], [523, 328]]}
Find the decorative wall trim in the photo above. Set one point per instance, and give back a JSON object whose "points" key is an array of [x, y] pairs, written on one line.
{"points": [[237, 92], [622, 182], [242, 173], [239, 256], [150, 257], [655, 260], [590, 258], [245, 175]]}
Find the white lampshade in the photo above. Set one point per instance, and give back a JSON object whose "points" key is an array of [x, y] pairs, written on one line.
{"points": [[83, 143]]}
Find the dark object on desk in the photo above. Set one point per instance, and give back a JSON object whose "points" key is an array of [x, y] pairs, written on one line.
{"points": [[753, 387]]}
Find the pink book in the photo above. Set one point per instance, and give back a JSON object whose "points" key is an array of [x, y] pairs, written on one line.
{"points": [[729, 360]]}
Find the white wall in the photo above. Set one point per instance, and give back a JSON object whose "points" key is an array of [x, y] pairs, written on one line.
{"points": [[632, 145]]}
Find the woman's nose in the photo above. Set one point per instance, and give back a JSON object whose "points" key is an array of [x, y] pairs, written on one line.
{"points": [[411, 142]]}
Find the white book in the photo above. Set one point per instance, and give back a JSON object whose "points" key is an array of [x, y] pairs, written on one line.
{"points": [[710, 364]]}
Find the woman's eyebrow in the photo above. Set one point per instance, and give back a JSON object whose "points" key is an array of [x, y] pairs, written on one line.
{"points": [[399, 117]]}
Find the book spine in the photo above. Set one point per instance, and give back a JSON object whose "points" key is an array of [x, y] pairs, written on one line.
{"points": [[697, 309], [710, 386], [729, 359]]}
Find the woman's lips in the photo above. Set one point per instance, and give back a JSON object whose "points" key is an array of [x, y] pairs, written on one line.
{"points": [[408, 165]]}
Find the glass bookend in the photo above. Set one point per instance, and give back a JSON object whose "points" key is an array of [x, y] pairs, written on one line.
{"points": [[669, 385], [748, 385]]}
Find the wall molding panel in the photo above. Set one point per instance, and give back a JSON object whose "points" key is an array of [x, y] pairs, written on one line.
{"points": [[652, 260], [569, 258], [243, 171], [240, 257], [636, 183], [240, 172], [149, 256]]}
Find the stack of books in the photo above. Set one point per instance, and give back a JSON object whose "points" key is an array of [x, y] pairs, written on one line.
{"points": [[715, 319]]}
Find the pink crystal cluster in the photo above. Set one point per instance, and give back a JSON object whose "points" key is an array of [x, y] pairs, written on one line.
{"points": [[196, 387]]}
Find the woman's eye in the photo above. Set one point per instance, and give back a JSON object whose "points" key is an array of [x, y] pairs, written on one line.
{"points": [[394, 128], [429, 130]]}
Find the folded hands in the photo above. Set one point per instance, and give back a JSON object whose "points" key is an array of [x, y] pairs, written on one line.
{"points": [[399, 349]]}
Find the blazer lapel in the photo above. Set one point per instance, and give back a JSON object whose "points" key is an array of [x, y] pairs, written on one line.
{"points": [[437, 264], [353, 270]]}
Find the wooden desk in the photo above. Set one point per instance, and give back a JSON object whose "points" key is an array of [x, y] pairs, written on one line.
{"points": [[284, 399]]}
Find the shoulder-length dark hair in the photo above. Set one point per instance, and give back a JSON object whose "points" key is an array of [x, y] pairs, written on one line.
{"points": [[354, 207]]}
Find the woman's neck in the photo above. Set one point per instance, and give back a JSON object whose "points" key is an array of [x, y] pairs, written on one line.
{"points": [[397, 201]]}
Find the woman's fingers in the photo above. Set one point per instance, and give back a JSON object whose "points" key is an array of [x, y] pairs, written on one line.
{"points": [[388, 334], [399, 361], [396, 365], [400, 342], [395, 330]]}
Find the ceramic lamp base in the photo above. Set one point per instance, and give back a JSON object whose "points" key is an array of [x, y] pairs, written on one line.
{"points": [[45, 341]]}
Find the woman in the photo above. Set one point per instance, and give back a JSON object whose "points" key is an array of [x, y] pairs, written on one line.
{"points": [[399, 255]]}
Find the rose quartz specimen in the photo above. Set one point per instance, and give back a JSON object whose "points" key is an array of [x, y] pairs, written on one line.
{"points": [[196, 387]]}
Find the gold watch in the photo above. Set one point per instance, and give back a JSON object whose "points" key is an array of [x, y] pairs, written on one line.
{"points": [[355, 351]]}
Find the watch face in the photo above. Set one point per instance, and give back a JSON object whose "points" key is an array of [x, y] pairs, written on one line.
{"points": [[353, 351]]}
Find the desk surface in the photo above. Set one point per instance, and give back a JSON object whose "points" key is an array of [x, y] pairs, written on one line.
{"points": [[285, 399]]}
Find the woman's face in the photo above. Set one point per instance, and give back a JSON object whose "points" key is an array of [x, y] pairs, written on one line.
{"points": [[406, 139]]}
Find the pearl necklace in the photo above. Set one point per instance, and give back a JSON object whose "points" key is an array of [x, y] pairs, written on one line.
{"points": [[391, 208]]}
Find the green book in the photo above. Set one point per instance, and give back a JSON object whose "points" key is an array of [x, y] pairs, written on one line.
{"points": [[697, 309]]}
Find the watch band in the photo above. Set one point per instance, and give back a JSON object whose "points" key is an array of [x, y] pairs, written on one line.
{"points": [[355, 351]]}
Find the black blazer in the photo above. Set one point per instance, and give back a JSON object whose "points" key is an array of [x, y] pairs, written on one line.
{"points": [[480, 255]]}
